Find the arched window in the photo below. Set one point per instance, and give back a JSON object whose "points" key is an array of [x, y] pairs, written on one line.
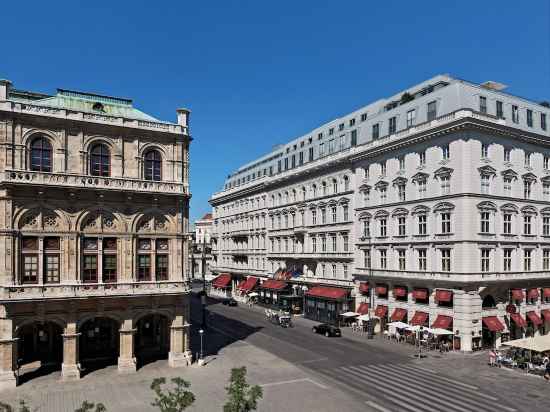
{"points": [[41, 155], [334, 186], [153, 166], [100, 160], [346, 183]]}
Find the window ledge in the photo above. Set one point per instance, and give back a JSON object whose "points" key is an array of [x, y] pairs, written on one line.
{"points": [[444, 234], [486, 234], [421, 235]]}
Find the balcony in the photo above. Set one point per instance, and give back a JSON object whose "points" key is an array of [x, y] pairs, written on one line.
{"points": [[78, 290], [479, 277], [238, 270], [69, 180], [306, 255]]}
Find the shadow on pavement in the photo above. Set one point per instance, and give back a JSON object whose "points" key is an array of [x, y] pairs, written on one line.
{"points": [[27, 375]]}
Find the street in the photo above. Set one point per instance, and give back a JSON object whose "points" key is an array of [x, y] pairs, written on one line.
{"points": [[380, 374]]}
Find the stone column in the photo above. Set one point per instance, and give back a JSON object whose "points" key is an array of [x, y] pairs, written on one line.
{"points": [[70, 368], [126, 358], [180, 353], [8, 364]]}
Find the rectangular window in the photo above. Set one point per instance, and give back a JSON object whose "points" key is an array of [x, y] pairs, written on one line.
{"points": [[422, 259], [507, 262], [546, 259], [546, 162], [392, 125], [345, 241], [345, 213], [482, 104], [321, 149], [485, 220], [333, 242], [422, 158], [401, 226], [89, 274], [314, 217], [144, 268], [484, 150], [161, 267], [422, 224], [543, 121], [301, 158], [351, 122], [30, 268], [527, 159], [507, 154], [323, 270], [507, 186], [526, 189], [411, 117], [485, 260], [323, 216], [507, 223], [345, 271], [383, 259], [366, 228], [529, 118], [402, 259], [383, 195], [445, 185], [375, 131], [314, 244], [546, 225], [401, 163], [421, 188], [354, 138], [310, 154], [366, 258], [527, 260], [109, 268], [366, 197], [500, 110], [445, 260], [363, 117], [527, 225], [331, 146], [51, 268], [485, 184], [334, 273], [323, 244], [383, 227], [546, 191], [401, 193], [341, 127], [445, 222], [515, 114], [432, 111], [446, 152], [333, 210]]}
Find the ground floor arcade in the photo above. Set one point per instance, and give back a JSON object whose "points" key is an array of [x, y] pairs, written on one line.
{"points": [[77, 336]]}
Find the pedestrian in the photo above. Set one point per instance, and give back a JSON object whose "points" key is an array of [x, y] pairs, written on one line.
{"points": [[499, 359], [547, 371], [492, 357]]}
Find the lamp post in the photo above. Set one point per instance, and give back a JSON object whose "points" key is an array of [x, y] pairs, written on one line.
{"points": [[201, 360], [370, 324], [203, 296]]}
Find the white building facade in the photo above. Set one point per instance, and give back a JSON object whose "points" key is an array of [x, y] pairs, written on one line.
{"points": [[431, 206]]}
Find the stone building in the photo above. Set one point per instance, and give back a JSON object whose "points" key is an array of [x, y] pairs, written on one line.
{"points": [[430, 207], [93, 212], [202, 240]]}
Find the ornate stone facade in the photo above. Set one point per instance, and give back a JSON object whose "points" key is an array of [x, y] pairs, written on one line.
{"points": [[94, 200]]}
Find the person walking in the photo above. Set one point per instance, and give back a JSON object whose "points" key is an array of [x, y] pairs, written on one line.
{"points": [[492, 357], [547, 371]]}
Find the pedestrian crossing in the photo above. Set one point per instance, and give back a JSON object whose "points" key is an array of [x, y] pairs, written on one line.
{"points": [[408, 387]]}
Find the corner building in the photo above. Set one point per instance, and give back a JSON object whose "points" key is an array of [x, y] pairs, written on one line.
{"points": [[93, 211], [430, 207]]}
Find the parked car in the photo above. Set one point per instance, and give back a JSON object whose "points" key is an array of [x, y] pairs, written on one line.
{"points": [[327, 330], [230, 302]]}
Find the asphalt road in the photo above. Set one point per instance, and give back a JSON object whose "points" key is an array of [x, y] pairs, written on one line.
{"points": [[380, 374]]}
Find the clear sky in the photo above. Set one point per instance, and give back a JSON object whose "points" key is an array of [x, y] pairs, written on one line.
{"points": [[258, 73]]}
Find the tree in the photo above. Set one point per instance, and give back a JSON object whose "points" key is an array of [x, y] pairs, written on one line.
{"points": [[89, 407], [4, 407], [242, 397], [172, 400]]}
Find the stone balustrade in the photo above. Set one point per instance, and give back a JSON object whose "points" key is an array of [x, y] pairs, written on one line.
{"points": [[64, 290], [69, 180]]}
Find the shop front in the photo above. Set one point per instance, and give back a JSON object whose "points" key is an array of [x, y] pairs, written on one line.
{"points": [[325, 304], [270, 290], [221, 285], [492, 328]]}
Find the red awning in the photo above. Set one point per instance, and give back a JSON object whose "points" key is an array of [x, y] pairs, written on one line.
{"points": [[398, 314], [222, 281], [517, 294], [546, 292], [363, 308], [364, 287], [443, 295], [493, 324], [273, 284], [546, 314], [533, 293], [534, 318], [443, 322], [327, 293], [400, 291], [421, 294], [248, 284], [518, 320], [419, 318], [381, 290], [381, 311]]}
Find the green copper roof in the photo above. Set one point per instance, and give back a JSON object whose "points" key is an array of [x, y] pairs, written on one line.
{"points": [[86, 102]]}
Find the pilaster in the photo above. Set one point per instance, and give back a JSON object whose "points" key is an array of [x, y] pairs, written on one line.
{"points": [[126, 359]]}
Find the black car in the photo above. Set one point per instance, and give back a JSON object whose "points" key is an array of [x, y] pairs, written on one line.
{"points": [[327, 330], [230, 302]]}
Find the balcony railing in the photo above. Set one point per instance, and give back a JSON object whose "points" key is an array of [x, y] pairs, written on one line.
{"points": [[69, 180], [59, 291], [479, 277]]}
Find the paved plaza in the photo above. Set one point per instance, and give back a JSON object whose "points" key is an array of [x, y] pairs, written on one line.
{"points": [[301, 371]]}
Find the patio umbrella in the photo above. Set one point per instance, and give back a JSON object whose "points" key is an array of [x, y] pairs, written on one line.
{"points": [[440, 331], [537, 343], [399, 325], [364, 317], [349, 314]]}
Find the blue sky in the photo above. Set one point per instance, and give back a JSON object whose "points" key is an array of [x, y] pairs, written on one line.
{"points": [[258, 73]]}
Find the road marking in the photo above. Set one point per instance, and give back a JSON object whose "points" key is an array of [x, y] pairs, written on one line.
{"points": [[313, 360], [376, 406], [295, 381], [439, 377]]}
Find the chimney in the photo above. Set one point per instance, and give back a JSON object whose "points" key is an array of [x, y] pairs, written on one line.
{"points": [[183, 117], [5, 86]]}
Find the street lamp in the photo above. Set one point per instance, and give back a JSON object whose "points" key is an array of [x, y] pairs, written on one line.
{"points": [[203, 296], [201, 332]]}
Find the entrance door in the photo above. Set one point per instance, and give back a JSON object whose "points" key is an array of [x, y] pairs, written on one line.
{"points": [[40, 342]]}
